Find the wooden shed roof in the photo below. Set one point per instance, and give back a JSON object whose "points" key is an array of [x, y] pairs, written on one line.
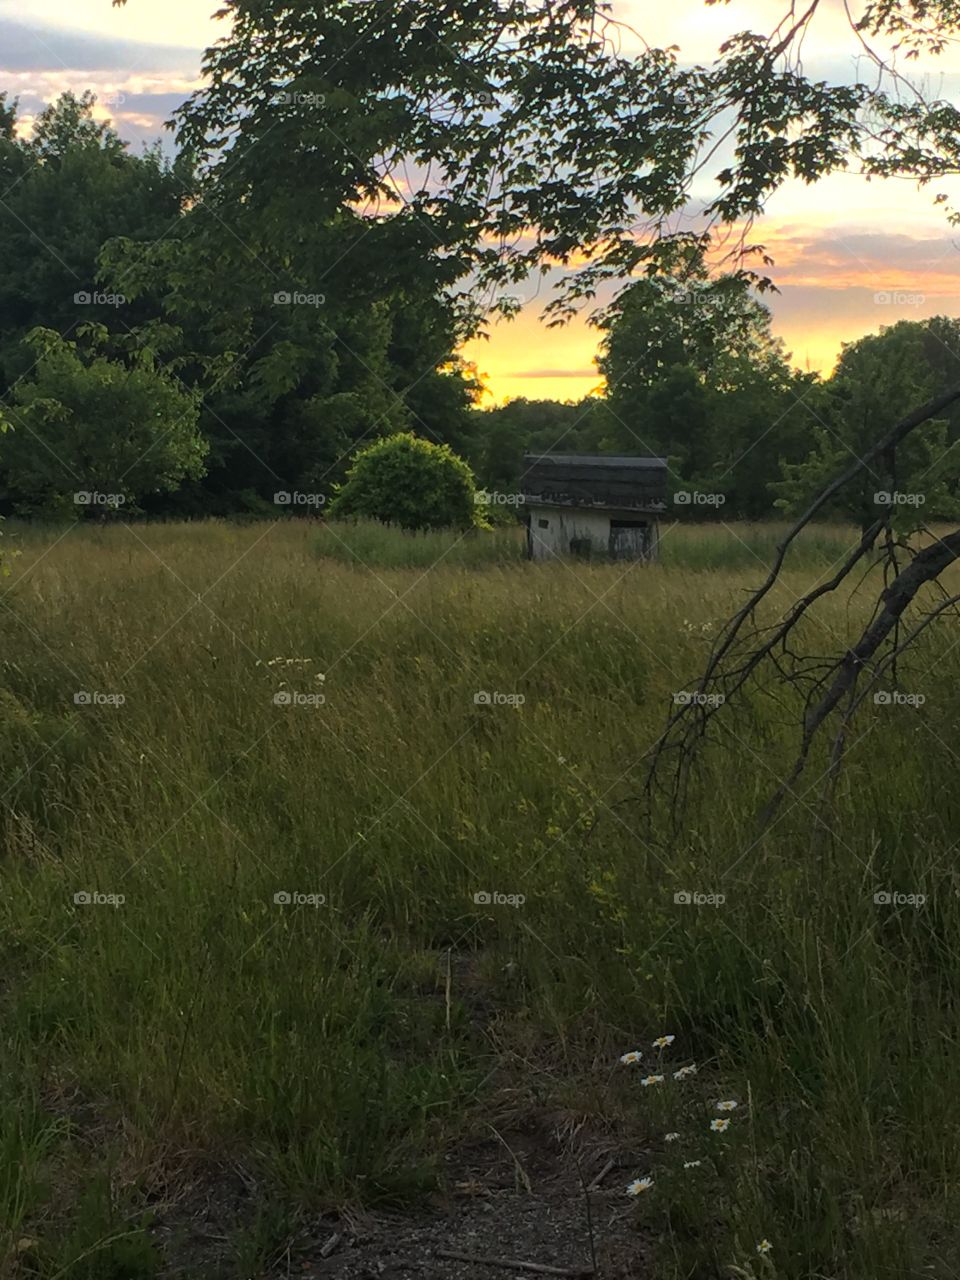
{"points": [[595, 480]]}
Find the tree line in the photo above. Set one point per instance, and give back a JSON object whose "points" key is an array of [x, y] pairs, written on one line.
{"points": [[159, 353]]}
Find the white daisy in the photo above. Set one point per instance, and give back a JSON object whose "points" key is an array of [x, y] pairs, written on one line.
{"points": [[639, 1186]]}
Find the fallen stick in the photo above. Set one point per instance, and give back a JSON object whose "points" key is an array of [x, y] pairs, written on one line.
{"points": [[513, 1264], [331, 1244], [611, 1164]]}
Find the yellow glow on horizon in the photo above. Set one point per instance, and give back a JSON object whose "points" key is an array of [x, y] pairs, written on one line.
{"points": [[522, 357]]}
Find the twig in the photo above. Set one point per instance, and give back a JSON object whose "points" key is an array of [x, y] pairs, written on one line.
{"points": [[449, 987], [514, 1264], [521, 1172], [331, 1244], [586, 1201], [607, 1168]]}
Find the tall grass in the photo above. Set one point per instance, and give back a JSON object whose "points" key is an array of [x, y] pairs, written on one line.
{"points": [[709, 547], [366, 543], [314, 1043]]}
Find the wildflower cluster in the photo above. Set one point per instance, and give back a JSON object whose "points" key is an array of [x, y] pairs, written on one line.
{"points": [[290, 662], [719, 1124]]}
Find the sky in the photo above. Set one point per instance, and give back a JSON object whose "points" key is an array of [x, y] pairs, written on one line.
{"points": [[849, 256]]}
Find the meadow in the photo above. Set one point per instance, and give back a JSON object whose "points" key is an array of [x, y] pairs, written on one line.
{"points": [[323, 845]]}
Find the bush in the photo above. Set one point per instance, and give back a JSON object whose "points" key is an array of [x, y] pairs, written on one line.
{"points": [[88, 434], [410, 482]]}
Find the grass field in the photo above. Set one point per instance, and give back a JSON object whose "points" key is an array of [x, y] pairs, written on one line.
{"points": [[197, 719]]}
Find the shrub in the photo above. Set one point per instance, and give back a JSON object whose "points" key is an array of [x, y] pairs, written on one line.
{"points": [[410, 482]]}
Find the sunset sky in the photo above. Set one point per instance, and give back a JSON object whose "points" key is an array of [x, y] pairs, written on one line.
{"points": [[849, 256]]}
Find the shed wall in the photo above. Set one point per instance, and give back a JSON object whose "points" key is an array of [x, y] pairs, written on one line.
{"points": [[566, 525]]}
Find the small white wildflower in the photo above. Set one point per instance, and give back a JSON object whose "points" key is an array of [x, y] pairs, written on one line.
{"points": [[661, 1042], [685, 1071], [719, 1126], [629, 1058], [671, 1137], [637, 1187], [764, 1246], [648, 1080], [727, 1106], [692, 1164]]}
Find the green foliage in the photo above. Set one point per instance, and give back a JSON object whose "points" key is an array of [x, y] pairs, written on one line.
{"points": [[879, 380], [411, 482], [530, 118], [69, 188], [694, 374], [87, 434], [91, 233]]}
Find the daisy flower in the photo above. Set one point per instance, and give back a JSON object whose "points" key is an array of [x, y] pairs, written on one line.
{"points": [[764, 1246], [671, 1137], [633, 1056], [661, 1042], [719, 1126], [727, 1106], [648, 1080], [692, 1164], [639, 1186], [685, 1071]]}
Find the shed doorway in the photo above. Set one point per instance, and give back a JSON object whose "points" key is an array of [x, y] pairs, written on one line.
{"points": [[629, 539]]}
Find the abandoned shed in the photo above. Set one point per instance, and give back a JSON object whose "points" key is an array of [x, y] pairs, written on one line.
{"points": [[593, 505]]}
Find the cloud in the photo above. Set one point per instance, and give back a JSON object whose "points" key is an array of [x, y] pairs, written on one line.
{"points": [[42, 49], [866, 259]]}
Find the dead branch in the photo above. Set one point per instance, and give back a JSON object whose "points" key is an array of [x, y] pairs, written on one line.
{"points": [[744, 648]]}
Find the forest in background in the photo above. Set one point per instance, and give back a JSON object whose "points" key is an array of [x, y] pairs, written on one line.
{"points": [[147, 348]]}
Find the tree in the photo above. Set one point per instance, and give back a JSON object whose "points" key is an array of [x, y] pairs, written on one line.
{"points": [[502, 436], [90, 435], [476, 122], [880, 376], [694, 374], [411, 482], [67, 190]]}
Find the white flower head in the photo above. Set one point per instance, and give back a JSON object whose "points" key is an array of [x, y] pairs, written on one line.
{"points": [[640, 1185], [671, 1137], [764, 1246], [629, 1058], [685, 1071], [719, 1126], [729, 1105], [661, 1042], [692, 1164], [648, 1080]]}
